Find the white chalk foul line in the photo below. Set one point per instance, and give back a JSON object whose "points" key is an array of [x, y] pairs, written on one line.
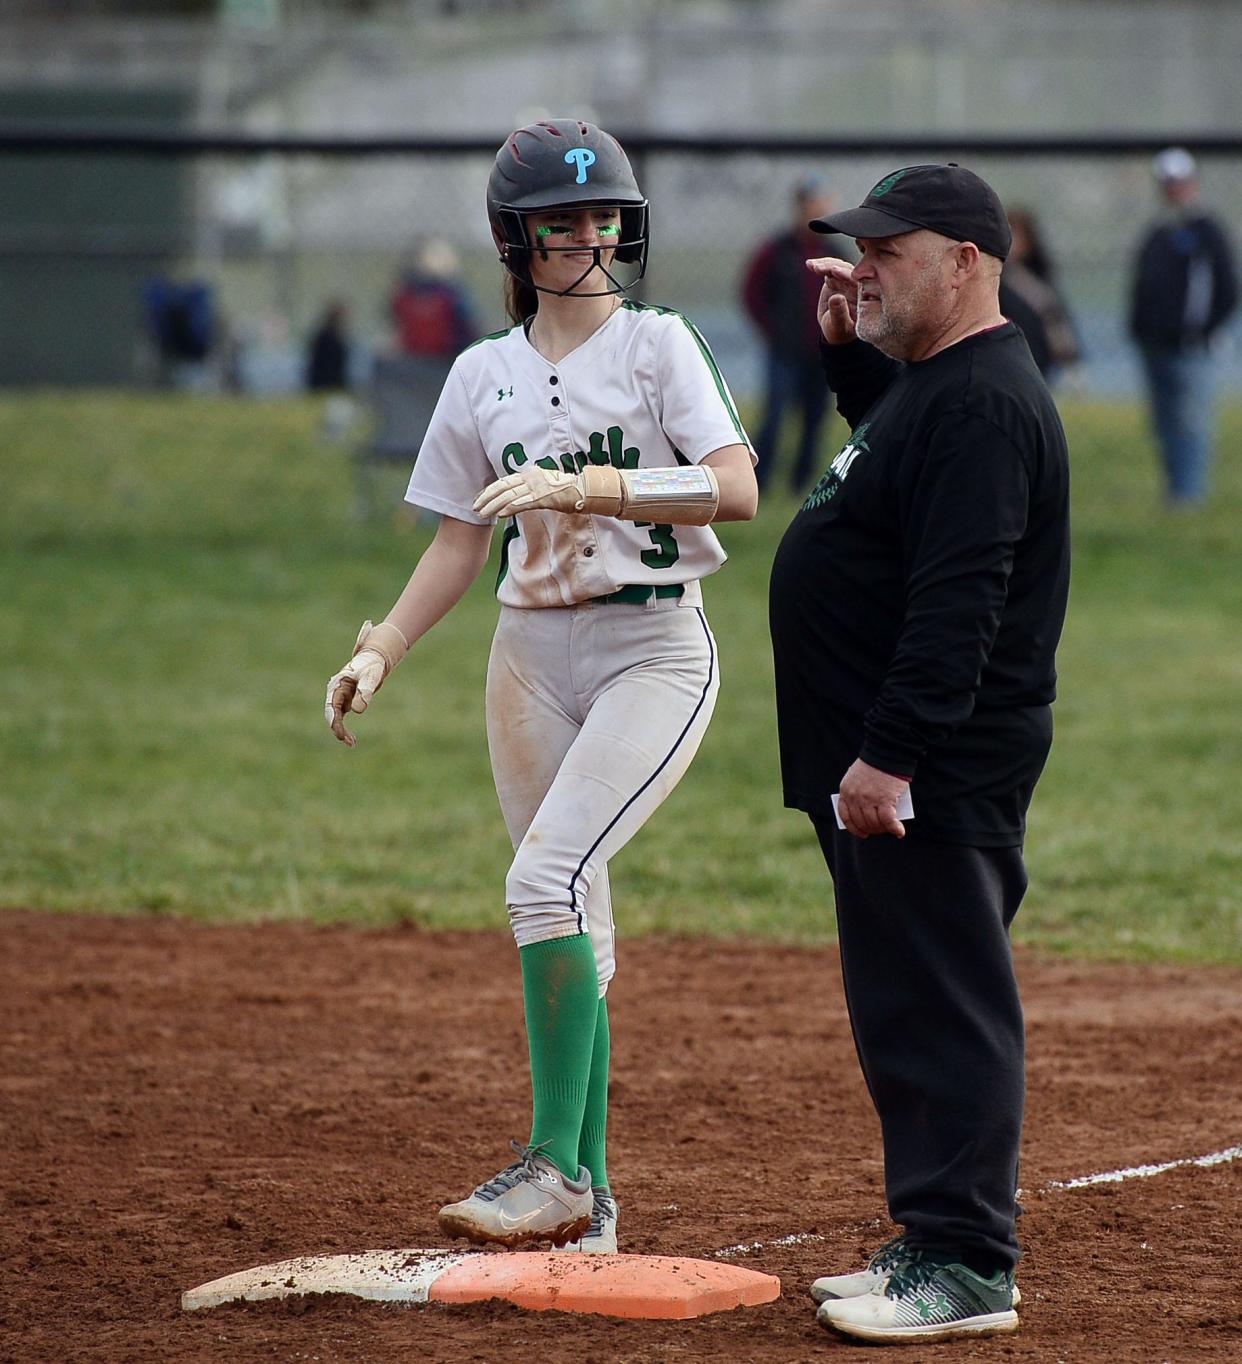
{"points": [[1108, 1177], [800, 1238], [1146, 1171]]}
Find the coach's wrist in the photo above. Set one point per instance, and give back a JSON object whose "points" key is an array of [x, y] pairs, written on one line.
{"points": [[893, 763]]}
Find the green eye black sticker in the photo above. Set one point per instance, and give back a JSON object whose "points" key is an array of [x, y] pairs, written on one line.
{"points": [[559, 230], [609, 230]]}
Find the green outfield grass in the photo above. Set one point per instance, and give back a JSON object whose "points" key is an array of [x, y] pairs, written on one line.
{"points": [[183, 574]]}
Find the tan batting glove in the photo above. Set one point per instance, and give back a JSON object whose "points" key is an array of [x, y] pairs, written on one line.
{"points": [[596, 490], [377, 651]]}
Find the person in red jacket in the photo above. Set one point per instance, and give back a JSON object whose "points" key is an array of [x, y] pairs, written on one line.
{"points": [[780, 296], [431, 310]]}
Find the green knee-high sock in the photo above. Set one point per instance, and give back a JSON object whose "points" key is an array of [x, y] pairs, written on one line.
{"points": [[592, 1144], [560, 991]]}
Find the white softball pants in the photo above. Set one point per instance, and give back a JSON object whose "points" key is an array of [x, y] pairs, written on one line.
{"points": [[593, 715]]}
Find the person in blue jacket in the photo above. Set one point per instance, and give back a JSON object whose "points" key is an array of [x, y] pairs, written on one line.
{"points": [[1185, 289]]}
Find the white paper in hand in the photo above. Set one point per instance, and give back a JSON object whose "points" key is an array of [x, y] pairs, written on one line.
{"points": [[905, 806]]}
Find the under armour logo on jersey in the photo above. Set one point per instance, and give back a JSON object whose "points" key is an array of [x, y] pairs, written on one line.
{"points": [[504, 393], [583, 157]]}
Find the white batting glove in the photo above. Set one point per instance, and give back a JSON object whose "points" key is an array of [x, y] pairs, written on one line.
{"points": [[597, 489], [377, 651]]}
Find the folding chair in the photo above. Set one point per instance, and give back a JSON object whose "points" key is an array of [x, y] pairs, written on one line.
{"points": [[402, 394]]}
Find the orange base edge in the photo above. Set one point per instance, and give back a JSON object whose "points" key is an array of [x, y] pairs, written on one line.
{"points": [[653, 1287]]}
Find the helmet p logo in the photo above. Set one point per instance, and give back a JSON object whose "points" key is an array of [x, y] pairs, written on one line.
{"points": [[583, 157]]}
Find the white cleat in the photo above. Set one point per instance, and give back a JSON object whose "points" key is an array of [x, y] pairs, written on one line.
{"points": [[874, 1278], [600, 1238], [925, 1301], [529, 1201]]}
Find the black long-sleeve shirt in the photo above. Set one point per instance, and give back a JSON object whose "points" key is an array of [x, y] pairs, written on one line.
{"points": [[918, 596]]}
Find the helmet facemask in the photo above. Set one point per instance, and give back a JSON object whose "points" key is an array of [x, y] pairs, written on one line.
{"points": [[510, 229]]}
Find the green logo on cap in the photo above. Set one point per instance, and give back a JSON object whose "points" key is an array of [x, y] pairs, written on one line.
{"points": [[886, 184]]}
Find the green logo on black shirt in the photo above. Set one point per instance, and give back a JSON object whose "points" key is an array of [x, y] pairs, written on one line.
{"points": [[828, 486]]}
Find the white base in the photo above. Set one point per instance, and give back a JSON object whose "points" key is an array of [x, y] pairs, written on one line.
{"points": [[384, 1275]]}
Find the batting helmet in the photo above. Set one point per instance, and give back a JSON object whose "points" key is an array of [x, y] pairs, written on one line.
{"points": [[564, 163]]}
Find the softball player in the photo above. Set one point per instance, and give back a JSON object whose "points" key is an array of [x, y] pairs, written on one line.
{"points": [[602, 432]]}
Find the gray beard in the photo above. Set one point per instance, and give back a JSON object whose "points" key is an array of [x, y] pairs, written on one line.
{"points": [[882, 333]]}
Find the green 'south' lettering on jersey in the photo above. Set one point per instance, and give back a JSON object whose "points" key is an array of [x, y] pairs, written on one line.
{"points": [[617, 453], [828, 486], [603, 447]]}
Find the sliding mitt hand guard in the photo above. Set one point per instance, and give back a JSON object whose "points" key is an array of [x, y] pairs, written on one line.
{"points": [[684, 496]]}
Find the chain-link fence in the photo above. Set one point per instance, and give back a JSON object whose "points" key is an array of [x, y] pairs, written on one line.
{"points": [[278, 235]]}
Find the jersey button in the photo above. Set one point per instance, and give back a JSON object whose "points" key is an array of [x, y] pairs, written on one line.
{"points": [[554, 380], [556, 402], [589, 552]]}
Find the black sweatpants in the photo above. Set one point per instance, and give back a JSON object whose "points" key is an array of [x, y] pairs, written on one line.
{"points": [[937, 1022]]}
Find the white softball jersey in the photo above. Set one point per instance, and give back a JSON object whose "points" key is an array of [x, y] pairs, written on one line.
{"points": [[641, 392]]}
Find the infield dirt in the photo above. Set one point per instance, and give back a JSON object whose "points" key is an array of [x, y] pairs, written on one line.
{"points": [[178, 1101]]}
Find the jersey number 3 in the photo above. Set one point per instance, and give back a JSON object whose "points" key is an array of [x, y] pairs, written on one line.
{"points": [[665, 554]]}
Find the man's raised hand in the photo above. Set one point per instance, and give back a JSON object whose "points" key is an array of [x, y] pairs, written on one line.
{"points": [[838, 298]]}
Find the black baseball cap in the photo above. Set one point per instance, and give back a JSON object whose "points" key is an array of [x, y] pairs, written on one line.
{"points": [[948, 199]]}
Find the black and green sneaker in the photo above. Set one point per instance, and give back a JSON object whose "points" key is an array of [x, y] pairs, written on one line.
{"points": [[926, 1300]]}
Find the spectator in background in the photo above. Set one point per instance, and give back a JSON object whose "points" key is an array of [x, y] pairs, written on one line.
{"points": [[327, 358], [431, 309], [1184, 290], [180, 318], [1029, 297], [780, 295]]}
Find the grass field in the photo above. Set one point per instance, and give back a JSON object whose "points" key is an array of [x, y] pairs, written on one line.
{"points": [[183, 574]]}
